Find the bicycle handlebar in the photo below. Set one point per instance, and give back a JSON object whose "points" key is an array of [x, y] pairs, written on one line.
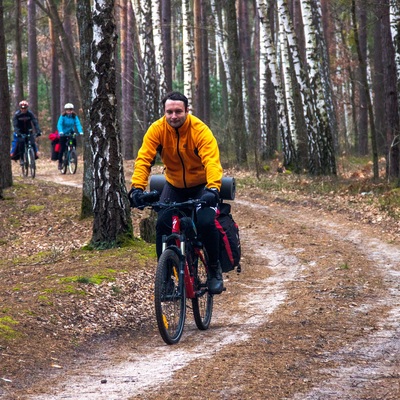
{"points": [[150, 199]]}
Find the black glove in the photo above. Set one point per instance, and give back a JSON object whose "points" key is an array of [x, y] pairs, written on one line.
{"points": [[38, 133], [134, 197], [211, 197]]}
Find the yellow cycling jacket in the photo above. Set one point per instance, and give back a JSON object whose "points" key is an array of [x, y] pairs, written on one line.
{"points": [[190, 154]]}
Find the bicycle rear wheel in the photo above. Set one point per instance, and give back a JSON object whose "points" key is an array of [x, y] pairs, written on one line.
{"points": [[169, 298], [203, 302], [32, 162], [72, 161]]}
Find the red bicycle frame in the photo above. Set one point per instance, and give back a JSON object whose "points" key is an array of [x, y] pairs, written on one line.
{"points": [[188, 277]]}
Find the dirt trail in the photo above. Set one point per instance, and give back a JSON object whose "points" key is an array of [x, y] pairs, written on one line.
{"points": [[313, 315]]}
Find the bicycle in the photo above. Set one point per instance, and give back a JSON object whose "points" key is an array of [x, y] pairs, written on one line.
{"points": [[70, 156], [27, 162], [182, 268]]}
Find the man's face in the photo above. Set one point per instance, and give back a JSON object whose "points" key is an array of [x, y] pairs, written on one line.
{"points": [[175, 113], [24, 110]]}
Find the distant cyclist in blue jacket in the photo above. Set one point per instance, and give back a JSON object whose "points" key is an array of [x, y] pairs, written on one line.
{"points": [[67, 124]]}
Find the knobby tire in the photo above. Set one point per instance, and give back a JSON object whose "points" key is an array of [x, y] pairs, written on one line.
{"points": [[72, 161], [32, 162], [202, 304], [65, 163], [24, 165], [169, 297]]}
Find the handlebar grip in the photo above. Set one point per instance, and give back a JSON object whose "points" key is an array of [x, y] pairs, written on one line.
{"points": [[150, 197]]}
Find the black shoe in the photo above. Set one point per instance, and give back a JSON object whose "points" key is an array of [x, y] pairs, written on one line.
{"points": [[60, 166], [215, 281]]}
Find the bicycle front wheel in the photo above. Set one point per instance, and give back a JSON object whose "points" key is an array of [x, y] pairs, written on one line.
{"points": [[72, 161], [24, 163], [32, 163], [203, 302], [169, 298], [65, 163]]}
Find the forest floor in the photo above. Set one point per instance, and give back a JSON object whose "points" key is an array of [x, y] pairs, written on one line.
{"points": [[314, 314]]}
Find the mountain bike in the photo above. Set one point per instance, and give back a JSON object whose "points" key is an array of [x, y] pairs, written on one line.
{"points": [[27, 161], [70, 156], [182, 268]]}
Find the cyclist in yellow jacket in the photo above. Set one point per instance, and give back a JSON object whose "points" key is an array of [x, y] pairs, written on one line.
{"points": [[193, 169]]}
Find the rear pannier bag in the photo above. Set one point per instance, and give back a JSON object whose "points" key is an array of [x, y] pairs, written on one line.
{"points": [[230, 250]]}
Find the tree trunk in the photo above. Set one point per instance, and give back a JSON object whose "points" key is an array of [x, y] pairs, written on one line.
{"points": [[85, 24], [188, 48], [32, 57], [378, 84], [236, 119], [55, 79], [365, 86], [166, 39], [112, 224], [151, 83], [19, 81], [363, 106], [249, 71], [288, 149], [5, 128], [324, 163], [391, 97]]}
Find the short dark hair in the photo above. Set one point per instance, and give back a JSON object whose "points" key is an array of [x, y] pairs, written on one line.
{"points": [[175, 96]]}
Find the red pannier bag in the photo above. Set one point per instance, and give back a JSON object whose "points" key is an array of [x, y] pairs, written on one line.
{"points": [[55, 145], [230, 250]]}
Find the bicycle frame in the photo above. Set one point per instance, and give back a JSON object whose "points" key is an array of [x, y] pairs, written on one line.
{"points": [[70, 144], [181, 242]]}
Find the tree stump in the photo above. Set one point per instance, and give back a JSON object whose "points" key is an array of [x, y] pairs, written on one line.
{"points": [[147, 228]]}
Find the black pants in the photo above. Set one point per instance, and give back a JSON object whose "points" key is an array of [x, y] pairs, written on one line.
{"points": [[205, 220], [63, 146]]}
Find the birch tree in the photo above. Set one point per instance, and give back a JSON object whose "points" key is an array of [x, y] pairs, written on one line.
{"points": [[112, 223], [289, 153], [220, 42], [188, 50], [319, 85], [305, 123]]}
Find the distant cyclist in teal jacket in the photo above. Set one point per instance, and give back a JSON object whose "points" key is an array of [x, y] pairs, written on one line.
{"points": [[67, 124]]}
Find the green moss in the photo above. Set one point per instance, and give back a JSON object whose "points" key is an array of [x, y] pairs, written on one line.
{"points": [[6, 330], [45, 300], [95, 279], [14, 222], [32, 209], [69, 289]]}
